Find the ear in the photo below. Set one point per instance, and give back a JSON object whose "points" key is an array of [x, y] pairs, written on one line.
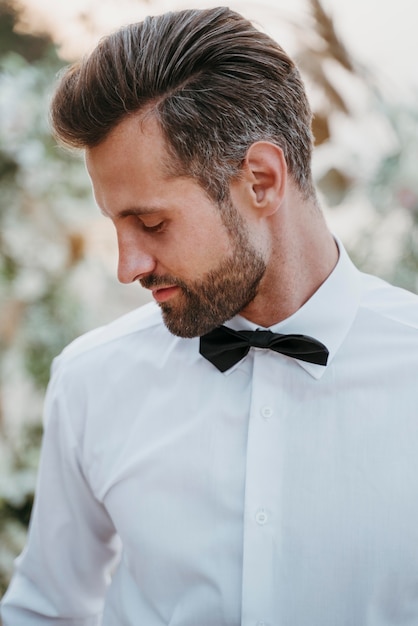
{"points": [[264, 177]]}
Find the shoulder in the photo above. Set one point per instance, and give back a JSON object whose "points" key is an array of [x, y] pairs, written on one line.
{"points": [[389, 303], [108, 339]]}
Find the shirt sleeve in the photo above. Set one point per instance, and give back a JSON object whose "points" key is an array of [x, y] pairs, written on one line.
{"points": [[72, 548]]}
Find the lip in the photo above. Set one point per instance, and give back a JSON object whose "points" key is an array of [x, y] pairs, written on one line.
{"points": [[164, 293]]}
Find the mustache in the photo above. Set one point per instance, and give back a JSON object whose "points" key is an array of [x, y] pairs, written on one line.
{"points": [[148, 282]]}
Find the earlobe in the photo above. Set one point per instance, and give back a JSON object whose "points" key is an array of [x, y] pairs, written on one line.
{"points": [[266, 170]]}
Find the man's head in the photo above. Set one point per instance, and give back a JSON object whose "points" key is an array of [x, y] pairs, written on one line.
{"points": [[197, 136], [214, 83]]}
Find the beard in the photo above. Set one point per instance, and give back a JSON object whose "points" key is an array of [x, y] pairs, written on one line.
{"points": [[222, 293]]}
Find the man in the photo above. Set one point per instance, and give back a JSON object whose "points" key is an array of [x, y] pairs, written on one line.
{"points": [[192, 475]]}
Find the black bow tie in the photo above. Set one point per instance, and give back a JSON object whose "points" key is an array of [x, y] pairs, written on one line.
{"points": [[224, 347]]}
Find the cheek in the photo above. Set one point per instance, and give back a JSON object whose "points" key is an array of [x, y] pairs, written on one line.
{"points": [[204, 241], [210, 248]]}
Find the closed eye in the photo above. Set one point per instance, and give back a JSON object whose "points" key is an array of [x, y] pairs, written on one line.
{"points": [[155, 228]]}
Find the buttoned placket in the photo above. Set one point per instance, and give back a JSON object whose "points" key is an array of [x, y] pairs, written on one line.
{"points": [[261, 549]]}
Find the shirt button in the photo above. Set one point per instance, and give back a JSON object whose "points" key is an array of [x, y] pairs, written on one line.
{"points": [[261, 517], [266, 411]]}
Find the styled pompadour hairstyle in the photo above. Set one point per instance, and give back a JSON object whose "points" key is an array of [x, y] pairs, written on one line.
{"points": [[215, 83]]}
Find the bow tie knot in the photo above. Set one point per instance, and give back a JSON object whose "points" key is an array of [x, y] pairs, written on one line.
{"points": [[224, 346], [258, 338]]}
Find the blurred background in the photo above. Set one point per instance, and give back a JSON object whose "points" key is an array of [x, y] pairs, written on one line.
{"points": [[58, 255]]}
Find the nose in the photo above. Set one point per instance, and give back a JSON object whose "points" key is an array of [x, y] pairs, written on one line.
{"points": [[135, 262]]}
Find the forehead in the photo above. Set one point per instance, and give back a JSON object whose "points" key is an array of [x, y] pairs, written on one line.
{"points": [[137, 137], [128, 167], [130, 171]]}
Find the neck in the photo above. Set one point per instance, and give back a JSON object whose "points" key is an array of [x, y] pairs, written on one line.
{"points": [[303, 254]]}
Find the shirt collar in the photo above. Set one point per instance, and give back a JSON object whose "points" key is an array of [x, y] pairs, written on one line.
{"points": [[326, 316]]}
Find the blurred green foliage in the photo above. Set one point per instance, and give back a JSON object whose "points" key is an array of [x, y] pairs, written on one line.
{"points": [[40, 247]]}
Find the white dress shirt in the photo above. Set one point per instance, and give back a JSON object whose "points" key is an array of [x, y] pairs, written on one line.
{"points": [[278, 493]]}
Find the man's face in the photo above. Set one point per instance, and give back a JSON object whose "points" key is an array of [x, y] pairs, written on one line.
{"points": [[196, 257], [224, 290]]}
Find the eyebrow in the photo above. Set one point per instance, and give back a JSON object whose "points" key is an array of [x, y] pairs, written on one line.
{"points": [[137, 211]]}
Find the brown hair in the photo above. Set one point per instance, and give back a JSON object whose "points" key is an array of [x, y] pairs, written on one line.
{"points": [[215, 83]]}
